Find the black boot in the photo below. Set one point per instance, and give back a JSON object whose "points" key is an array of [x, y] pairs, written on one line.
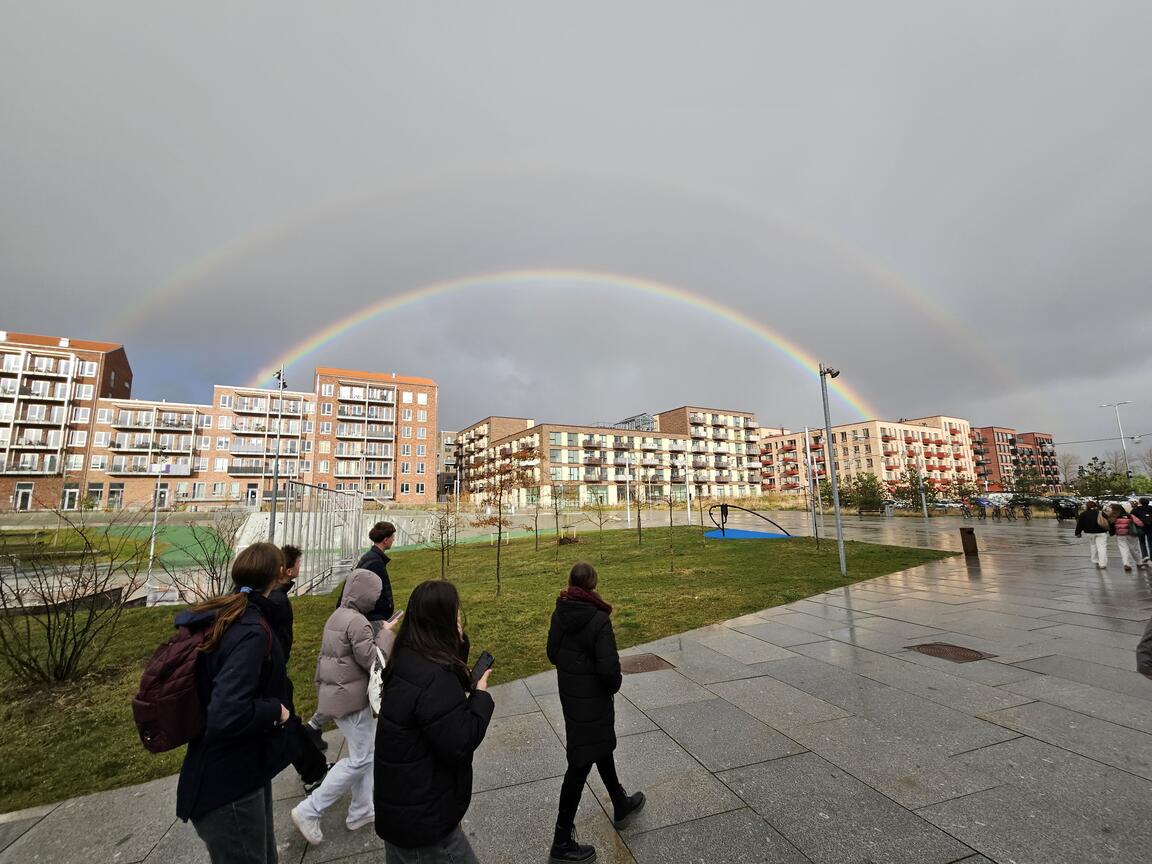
{"points": [[625, 805], [565, 849], [317, 737]]}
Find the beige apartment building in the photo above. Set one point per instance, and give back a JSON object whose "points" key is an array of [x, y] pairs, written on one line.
{"points": [[939, 447], [706, 451], [71, 436]]}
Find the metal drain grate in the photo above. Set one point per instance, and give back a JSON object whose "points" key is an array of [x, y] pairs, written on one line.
{"points": [[955, 653], [633, 663]]}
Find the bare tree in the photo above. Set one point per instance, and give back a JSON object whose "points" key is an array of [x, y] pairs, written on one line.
{"points": [[1143, 461], [210, 548], [596, 512], [1068, 463], [59, 608], [503, 475], [444, 527], [670, 502], [1114, 459], [559, 499]]}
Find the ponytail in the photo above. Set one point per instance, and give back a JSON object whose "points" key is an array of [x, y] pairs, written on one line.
{"points": [[255, 569]]}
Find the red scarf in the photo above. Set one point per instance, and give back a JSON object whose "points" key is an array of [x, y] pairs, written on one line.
{"points": [[585, 596]]}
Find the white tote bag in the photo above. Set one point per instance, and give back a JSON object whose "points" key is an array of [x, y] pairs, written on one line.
{"points": [[376, 682]]}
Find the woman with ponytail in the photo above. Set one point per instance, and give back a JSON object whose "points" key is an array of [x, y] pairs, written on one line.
{"points": [[225, 781], [431, 722]]}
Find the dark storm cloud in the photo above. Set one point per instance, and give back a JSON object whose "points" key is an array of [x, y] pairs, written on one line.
{"points": [[947, 200]]}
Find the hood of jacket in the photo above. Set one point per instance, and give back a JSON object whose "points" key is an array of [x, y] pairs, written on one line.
{"points": [[574, 615], [361, 591], [194, 620]]}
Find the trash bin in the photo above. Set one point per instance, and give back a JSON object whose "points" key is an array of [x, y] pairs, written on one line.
{"points": [[888, 511], [968, 541]]}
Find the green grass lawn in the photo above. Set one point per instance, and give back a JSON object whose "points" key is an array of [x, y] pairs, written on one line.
{"points": [[79, 738]]}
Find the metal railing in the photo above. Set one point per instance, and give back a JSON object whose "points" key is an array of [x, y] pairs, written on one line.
{"points": [[327, 526]]}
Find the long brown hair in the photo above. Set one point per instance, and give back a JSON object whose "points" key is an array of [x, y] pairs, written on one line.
{"points": [[257, 567], [429, 628]]}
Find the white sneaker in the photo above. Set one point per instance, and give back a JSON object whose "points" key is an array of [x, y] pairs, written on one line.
{"points": [[308, 827], [360, 823]]}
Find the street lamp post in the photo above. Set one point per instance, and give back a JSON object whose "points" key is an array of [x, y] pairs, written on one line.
{"points": [[829, 455], [628, 488], [155, 513], [1123, 443], [282, 385]]}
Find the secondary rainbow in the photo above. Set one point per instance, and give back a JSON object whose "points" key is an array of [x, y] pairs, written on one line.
{"points": [[551, 279]]}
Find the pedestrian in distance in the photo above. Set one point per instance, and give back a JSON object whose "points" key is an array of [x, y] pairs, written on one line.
{"points": [[582, 646], [1124, 528], [347, 653], [1143, 512], [382, 535], [1095, 525], [307, 758], [433, 716], [225, 781]]}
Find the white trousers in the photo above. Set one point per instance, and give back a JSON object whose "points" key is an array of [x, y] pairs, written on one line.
{"points": [[1098, 544], [353, 772], [1129, 550]]}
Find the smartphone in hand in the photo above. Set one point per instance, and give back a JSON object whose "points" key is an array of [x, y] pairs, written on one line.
{"points": [[396, 616], [483, 663]]}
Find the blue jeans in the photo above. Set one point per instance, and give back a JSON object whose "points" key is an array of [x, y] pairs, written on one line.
{"points": [[453, 848], [240, 832]]}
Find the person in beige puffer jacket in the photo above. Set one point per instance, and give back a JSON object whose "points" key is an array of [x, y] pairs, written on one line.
{"points": [[347, 653]]}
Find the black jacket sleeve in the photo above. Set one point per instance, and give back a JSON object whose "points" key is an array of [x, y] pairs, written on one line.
{"points": [[453, 723], [1144, 652], [607, 658], [385, 606], [235, 707], [279, 611]]}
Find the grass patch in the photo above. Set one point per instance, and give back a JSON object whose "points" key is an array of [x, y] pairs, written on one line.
{"points": [[79, 738]]}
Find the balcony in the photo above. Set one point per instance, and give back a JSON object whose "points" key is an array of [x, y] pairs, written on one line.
{"points": [[39, 421], [117, 470], [181, 423], [816, 446], [719, 436], [649, 462], [375, 394], [44, 395], [355, 415], [678, 446], [593, 460], [249, 429], [649, 445], [243, 470], [698, 433], [123, 444], [132, 421], [250, 406], [34, 444], [788, 448]]}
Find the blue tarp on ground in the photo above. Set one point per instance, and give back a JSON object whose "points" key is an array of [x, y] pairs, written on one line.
{"points": [[737, 534]]}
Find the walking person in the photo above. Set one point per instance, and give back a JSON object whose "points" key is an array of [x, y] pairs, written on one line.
{"points": [[582, 646], [1143, 512], [1094, 524], [225, 781], [382, 535], [1124, 528], [307, 758], [347, 652], [432, 719]]}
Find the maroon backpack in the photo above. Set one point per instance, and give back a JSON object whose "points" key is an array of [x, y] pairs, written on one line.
{"points": [[168, 710]]}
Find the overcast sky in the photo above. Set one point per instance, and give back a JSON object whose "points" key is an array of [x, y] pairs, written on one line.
{"points": [[949, 201]]}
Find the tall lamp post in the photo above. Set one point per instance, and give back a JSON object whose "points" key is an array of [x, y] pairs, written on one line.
{"points": [[282, 385], [829, 450], [1123, 443], [161, 467]]}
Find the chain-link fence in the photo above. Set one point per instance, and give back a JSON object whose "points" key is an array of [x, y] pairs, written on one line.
{"points": [[328, 527]]}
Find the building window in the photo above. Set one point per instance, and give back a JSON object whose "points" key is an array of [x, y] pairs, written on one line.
{"points": [[422, 417], [405, 467], [406, 397], [323, 466], [405, 431], [405, 488], [224, 423], [99, 439], [81, 415], [421, 432], [420, 467], [421, 398], [99, 463], [327, 389], [326, 428], [221, 466], [326, 409], [77, 437], [421, 449], [83, 391], [225, 401], [221, 443], [104, 415], [419, 488], [405, 449], [407, 414]]}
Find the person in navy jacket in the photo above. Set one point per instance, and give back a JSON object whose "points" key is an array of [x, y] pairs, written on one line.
{"points": [[225, 782]]}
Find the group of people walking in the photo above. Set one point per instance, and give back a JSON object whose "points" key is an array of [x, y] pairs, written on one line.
{"points": [[1129, 527], [409, 766]]}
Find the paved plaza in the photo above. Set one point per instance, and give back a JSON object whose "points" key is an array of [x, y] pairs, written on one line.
{"points": [[803, 733]]}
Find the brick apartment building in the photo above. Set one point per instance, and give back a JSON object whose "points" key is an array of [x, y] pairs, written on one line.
{"points": [[1001, 451], [939, 447], [716, 453], [70, 435], [446, 464]]}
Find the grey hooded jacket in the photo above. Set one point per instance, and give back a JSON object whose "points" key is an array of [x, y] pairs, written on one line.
{"points": [[348, 649]]}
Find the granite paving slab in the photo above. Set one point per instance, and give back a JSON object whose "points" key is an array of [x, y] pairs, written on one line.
{"points": [[1100, 622], [1130, 683], [704, 665], [737, 837], [1094, 652], [80, 829], [1119, 746], [1054, 807], [934, 685], [181, 845], [512, 698], [676, 786], [990, 672], [515, 825], [1084, 698], [542, 683], [722, 736], [779, 705], [11, 830], [742, 647], [665, 687], [874, 640], [630, 720], [835, 819], [539, 752], [908, 771], [780, 634]]}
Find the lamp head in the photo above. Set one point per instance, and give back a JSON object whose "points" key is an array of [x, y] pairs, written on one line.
{"points": [[830, 372]]}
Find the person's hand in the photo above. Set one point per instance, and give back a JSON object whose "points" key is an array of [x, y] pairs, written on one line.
{"points": [[460, 624], [482, 684], [284, 714], [391, 625]]}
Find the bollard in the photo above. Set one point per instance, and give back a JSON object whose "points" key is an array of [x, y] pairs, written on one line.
{"points": [[968, 541]]}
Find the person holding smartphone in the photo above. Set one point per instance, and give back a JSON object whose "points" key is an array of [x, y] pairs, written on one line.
{"points": [[432, 719], [343, 670], [582, 646]]}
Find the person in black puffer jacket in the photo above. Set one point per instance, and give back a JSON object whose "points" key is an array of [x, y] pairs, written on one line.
{"points": [[430, 724], [582, 646], [225, 781]]}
